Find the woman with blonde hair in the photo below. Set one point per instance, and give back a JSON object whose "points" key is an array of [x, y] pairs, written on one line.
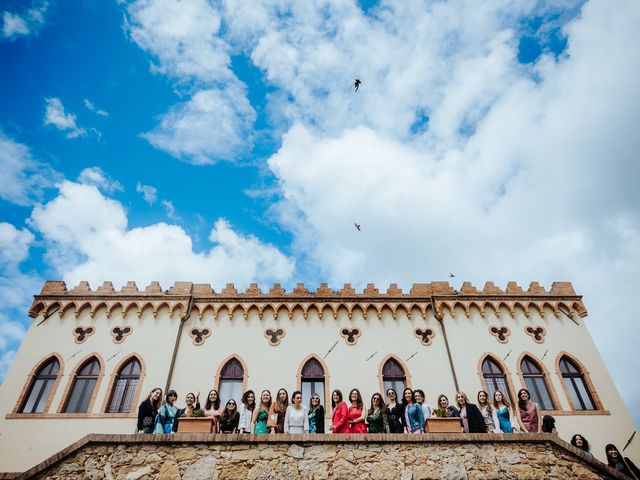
{"points": [[261, 414], [148, 410], [488, 412], [470, 416]]}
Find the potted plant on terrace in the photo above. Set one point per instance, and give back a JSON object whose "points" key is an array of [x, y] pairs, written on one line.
{"points": [[443, 422], [196, 423]]}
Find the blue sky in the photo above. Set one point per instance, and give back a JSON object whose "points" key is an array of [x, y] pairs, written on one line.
{"points": [[223, 142]]}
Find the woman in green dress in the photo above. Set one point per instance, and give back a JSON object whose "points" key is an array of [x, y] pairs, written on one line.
{"points": [[376, 416], [166, 418], [261, 414]]}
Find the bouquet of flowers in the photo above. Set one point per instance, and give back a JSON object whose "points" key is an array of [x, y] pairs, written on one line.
{"points": [[197, 413], [441, 412]]}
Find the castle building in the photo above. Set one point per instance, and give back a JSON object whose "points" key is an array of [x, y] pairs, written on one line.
{"points": [[91, 356]]}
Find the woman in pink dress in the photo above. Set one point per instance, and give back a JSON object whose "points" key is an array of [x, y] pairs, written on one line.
{"points": [[213, 409], [528, 412], [357, 413]]}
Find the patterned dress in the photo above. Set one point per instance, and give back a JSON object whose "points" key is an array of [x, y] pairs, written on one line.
{"points": [[165, 419], [377, 422]]}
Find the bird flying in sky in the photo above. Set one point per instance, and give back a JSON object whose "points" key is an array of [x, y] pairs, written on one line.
{"points": [[358, 227], [451, 275], [357, 84]]}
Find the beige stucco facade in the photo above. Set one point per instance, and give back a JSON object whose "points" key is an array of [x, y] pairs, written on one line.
{"points": [[313, 324]]}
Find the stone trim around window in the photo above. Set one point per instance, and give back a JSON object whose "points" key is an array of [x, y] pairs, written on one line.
{"points": [[29, 381], [71, 379], [327, 377], [245, 372], [407, 374], [600, 410], [112, 379], [547, 380], [505, 370]]}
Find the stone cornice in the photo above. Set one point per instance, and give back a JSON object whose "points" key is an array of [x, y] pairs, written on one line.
{"points": [[439, 297]]}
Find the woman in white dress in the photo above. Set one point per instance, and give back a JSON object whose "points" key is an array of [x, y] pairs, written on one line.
{"points": [[296, 420]]}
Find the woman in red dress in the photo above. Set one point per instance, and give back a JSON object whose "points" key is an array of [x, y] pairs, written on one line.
{"points": [[339, 420], [357, 413]]}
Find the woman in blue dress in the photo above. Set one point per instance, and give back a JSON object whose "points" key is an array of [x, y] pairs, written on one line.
{"points": [[167, 415], [503, 411]]}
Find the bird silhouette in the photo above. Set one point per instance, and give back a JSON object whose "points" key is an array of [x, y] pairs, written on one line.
{"points": [[357, 84], [451, 275], [358, 227]]}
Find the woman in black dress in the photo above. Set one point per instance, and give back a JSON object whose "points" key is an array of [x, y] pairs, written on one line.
{"points": [[316, 415], [395, 412], [148, 410]]}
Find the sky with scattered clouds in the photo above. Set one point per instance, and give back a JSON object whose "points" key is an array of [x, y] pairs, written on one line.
{"points": [[221, 141]]}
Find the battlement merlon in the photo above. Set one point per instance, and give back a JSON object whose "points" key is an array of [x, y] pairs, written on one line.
{"points": [[435, 296]]}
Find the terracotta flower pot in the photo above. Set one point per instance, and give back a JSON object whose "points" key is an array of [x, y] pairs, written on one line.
{"points": [[443, 425], [195, 424]]}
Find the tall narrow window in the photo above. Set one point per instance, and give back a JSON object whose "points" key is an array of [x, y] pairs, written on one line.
{"points": [[231, 379], [124, 387], [495, 378], [40, 387], [574, 380], [312, 380], [393, 376], [536, 384], [83, 385]]}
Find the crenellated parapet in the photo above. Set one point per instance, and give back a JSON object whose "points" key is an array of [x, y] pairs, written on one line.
{"points": [[186, 298]]}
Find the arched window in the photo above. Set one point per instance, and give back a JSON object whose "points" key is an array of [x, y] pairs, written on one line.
{"points": [[574, 381], [536, 383], [495, 378], [83, 385], [231, 380], [312, 380], [40, 387], [124, 387], [393, 376]]}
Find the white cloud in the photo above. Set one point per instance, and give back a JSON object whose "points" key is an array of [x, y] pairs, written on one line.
{"points": [[66, 122], [22, 25], [149, 193], [212, 125], [96, 176], [91, 107], [23, 178], [541, 186], [215, 122], [14, 245], [88, 239], [170, 209]]}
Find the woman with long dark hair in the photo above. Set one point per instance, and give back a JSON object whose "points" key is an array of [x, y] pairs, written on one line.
{"points": [[580, 442], [212, 408], [426, 409], [148, 410], [247, 406], [316, 414], [528, 413], [395, 412], [340, 416], [261, 414], [356, 413], [192, 403], [229, 418], [376, 420], [413, 416], [502, 407], [278, 411], [472, 421], [620, 463]]}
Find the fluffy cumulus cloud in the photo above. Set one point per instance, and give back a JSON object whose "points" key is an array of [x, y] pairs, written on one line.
{"points": [[215, 122], [96, 176], [14, 249], [56, 116], [88, 239], [23, 24], [23, 178]]}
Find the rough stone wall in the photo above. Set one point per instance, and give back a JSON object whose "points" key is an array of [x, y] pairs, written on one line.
{"points": [[175, 460]]}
